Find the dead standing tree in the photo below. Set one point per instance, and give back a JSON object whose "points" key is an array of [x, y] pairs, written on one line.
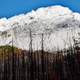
{"points": [[42, 58], [30, 58], [13, 63]]}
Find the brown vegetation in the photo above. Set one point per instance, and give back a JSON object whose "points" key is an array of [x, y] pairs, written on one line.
{"points": [[17, 64]]}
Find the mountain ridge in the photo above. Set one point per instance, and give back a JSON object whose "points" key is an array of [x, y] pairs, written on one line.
{"points": [[58, 24]]}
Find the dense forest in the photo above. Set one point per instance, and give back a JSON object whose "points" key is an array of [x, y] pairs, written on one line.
{"points": [[17, 64]]}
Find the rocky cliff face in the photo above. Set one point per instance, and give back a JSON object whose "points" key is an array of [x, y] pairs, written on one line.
{"points": [[58, 25]]}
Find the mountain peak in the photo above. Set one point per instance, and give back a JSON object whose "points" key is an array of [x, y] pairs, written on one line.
{"points": [[58, 25]]}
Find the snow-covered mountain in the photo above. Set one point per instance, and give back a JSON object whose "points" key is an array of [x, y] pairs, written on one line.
{"points": [[59, 26]]}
